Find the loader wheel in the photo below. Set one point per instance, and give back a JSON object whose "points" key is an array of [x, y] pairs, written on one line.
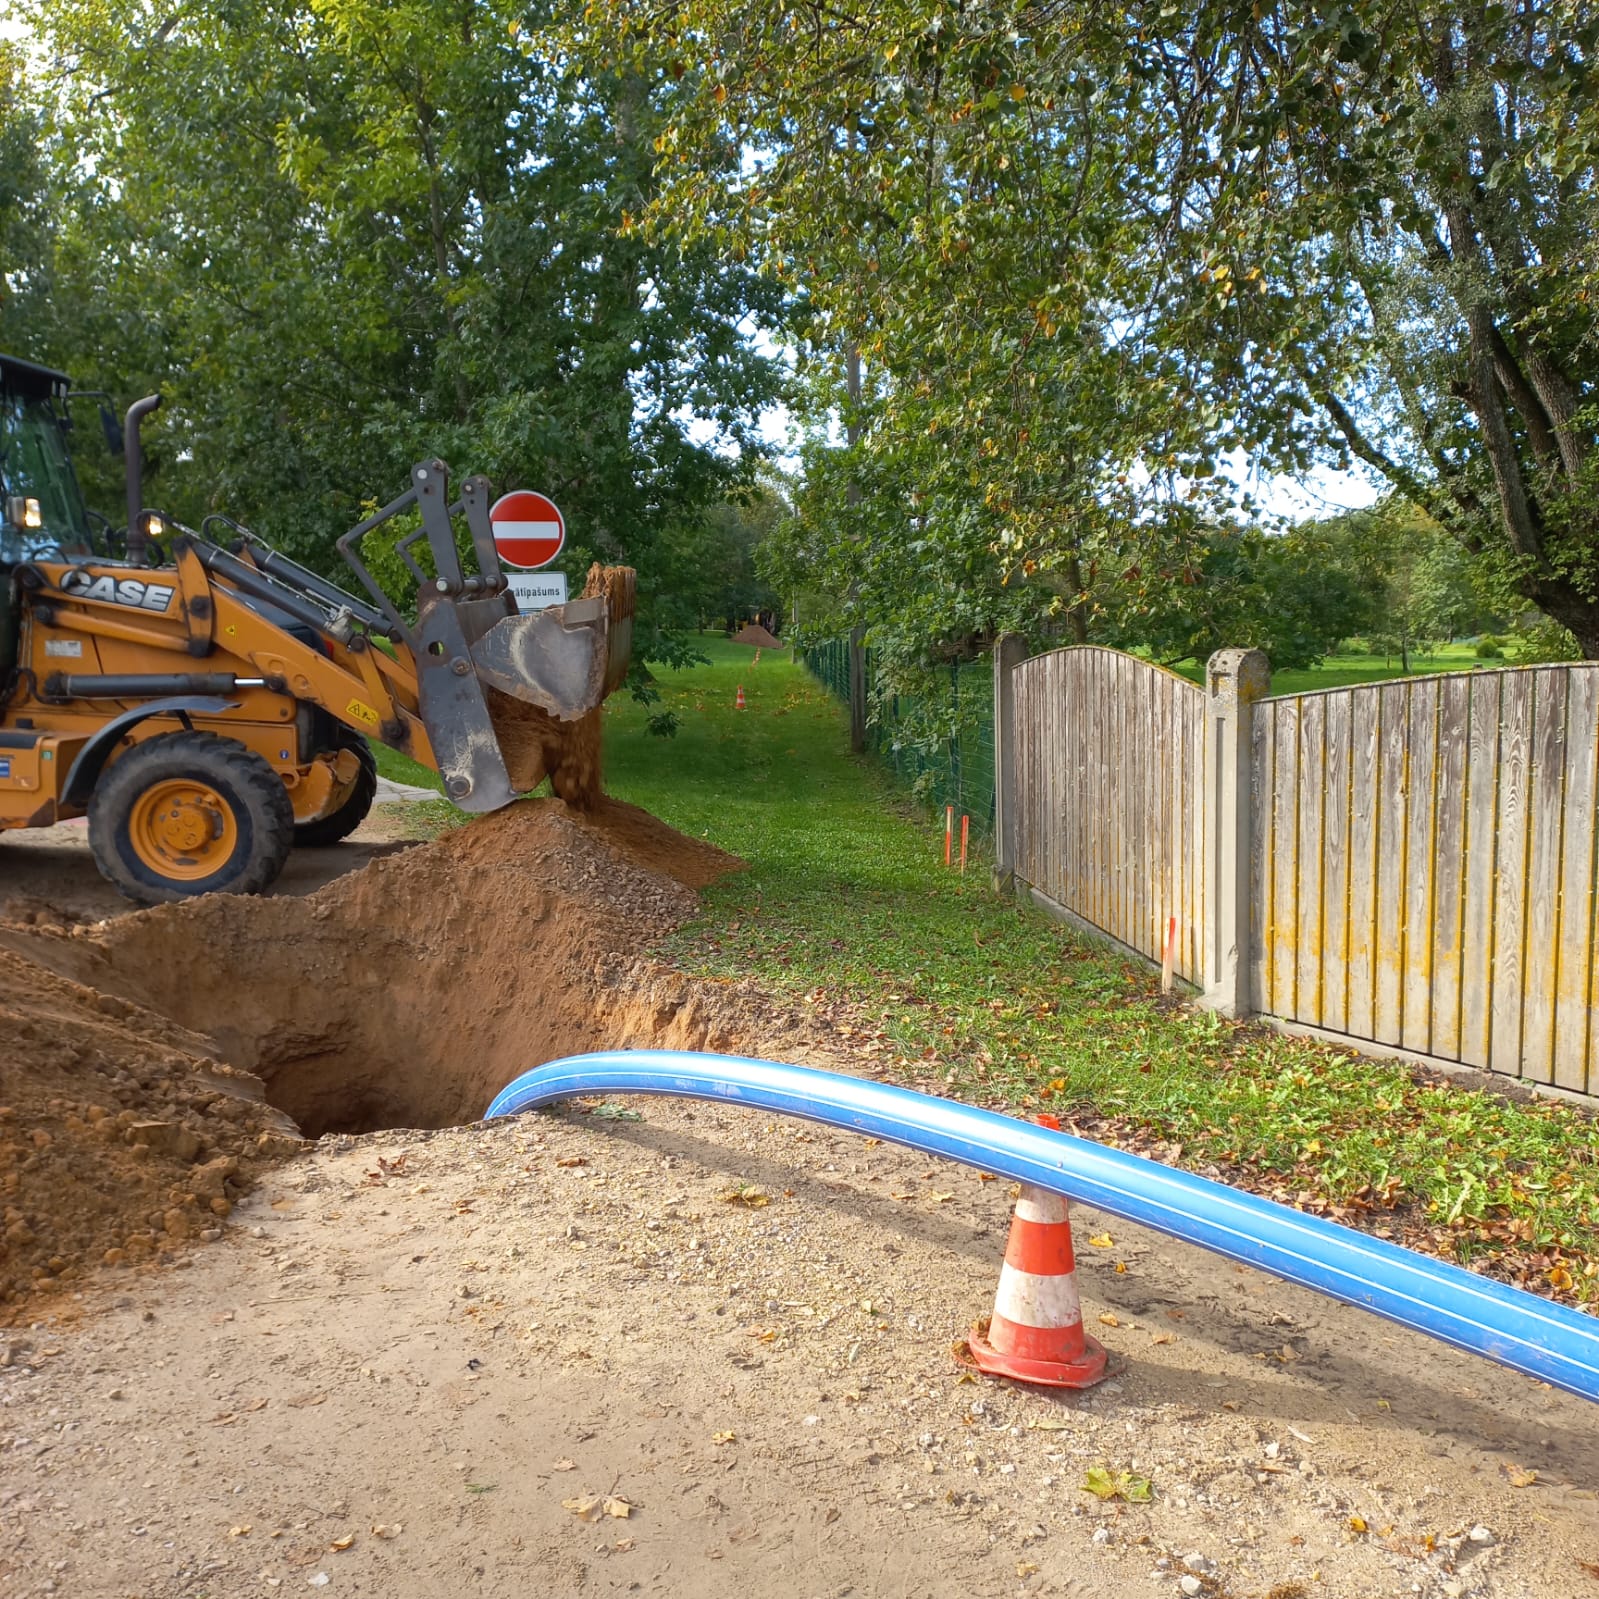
{"points": [[190, 813], [352, 807]]}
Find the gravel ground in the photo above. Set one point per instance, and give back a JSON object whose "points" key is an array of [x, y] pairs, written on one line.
{"points": [[425, 1364]]}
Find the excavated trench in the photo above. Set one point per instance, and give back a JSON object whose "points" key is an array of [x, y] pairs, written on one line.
{"points": [[151, 1064], [407, 994]]}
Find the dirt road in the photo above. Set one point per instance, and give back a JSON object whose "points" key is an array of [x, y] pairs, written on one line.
{"points": [[419, 1364]]}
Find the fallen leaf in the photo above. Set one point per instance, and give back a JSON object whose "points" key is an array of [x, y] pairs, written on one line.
{"points": [[622, 1545], [1121, 1266], [724, 1438], [240, 1532], [1026, 1568], [1519, 1478], [750, 1198], [1105, 1484], [1161, 1338], [256, 1404], [573, 1160], [1102, 1241], [305, 1401], [985, 1176], [619, 1508], [339, 1545], [869, 1307], [1049, 1426], [384, 1530], [942, 1199], [1357, 1523], [1109, 1320], [586, 1507], [566, 1465]]}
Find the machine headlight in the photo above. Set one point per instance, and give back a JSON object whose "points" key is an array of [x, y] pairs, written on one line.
{"points": [[24, 512]]}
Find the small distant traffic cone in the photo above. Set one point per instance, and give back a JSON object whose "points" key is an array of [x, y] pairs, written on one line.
{"points": [[1036, 1332], [738, 704]]}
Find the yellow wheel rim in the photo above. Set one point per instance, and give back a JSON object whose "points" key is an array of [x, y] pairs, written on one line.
{"points": [[183, 829]]}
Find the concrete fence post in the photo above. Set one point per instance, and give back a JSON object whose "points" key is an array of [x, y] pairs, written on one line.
{"points": [[1010, 650], [1234, 681]]}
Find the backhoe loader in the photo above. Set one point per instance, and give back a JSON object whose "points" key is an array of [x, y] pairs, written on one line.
{"points": [[208, 702]]}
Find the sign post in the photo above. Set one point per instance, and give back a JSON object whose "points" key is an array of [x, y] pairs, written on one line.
{"points": [[529, 532]]}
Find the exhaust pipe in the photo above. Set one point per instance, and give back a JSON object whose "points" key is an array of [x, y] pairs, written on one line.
{"points": [[137, 412]]}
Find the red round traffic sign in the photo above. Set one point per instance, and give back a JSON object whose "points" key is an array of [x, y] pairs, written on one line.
{"points": [[529, 530]]}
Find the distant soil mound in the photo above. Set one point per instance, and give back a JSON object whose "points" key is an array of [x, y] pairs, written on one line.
{"points": [[758, 636], [405, 994]]}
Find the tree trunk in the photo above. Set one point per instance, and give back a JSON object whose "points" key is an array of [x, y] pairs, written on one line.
{"points": [[1574, 611]]}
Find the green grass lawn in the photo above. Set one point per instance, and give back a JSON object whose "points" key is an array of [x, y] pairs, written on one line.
{"points": [[1339, 671], [847, 906]]}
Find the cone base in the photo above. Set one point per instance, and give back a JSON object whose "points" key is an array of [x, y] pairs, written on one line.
{"points": [[1089, 1368]]}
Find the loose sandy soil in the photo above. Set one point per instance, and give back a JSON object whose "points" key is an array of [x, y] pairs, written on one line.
{"points": [[405, 1357]]}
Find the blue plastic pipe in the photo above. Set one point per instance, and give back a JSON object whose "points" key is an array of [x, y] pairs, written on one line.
{"points": [[1517, 1329]]}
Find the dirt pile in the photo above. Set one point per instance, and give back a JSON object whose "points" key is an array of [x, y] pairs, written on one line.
{"points": [[760, 637], [119, 1137]]}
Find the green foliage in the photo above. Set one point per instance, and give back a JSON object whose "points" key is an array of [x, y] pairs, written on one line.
{"points": [[1085, 253], [1286, 595], [346, 239], [1488, 648]]}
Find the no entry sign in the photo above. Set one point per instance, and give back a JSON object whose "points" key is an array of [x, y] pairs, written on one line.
{"points": [[529, 529]]}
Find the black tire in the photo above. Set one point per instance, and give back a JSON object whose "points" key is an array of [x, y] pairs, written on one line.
{"points": [[251, 794], [339, 824]]}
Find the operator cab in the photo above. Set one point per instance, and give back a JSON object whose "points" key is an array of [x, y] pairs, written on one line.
{"points": [[42, 513]]}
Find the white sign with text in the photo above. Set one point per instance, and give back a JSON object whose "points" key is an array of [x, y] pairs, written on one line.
{"points": [[535, 591]]}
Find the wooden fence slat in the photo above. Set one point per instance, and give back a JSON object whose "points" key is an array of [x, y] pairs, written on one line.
{"points": [[1284, 857], [1517, 730], [1546, 797], [1449, 848], [1260, 765], [1365, 710], [1575, 978], [1482, 832], [1388, 950], [1333, 979], [1416, 887], [1310, 925]]}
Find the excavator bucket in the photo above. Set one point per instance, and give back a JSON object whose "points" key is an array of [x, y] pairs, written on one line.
{"points": [[506, 699]]}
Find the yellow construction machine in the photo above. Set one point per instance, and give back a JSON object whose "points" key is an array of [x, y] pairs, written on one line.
{"points": [[207, 702]]}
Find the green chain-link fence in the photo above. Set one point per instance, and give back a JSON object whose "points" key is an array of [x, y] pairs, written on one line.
{"points": [[956, 768]]}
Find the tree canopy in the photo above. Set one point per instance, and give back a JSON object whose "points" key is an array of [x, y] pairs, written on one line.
{"points": [[1088, 251], [346, 238], [1049, 272]]}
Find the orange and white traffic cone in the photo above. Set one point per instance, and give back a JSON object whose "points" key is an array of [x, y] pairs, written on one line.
{"points": [[738, 704], [1036, 1332]]}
